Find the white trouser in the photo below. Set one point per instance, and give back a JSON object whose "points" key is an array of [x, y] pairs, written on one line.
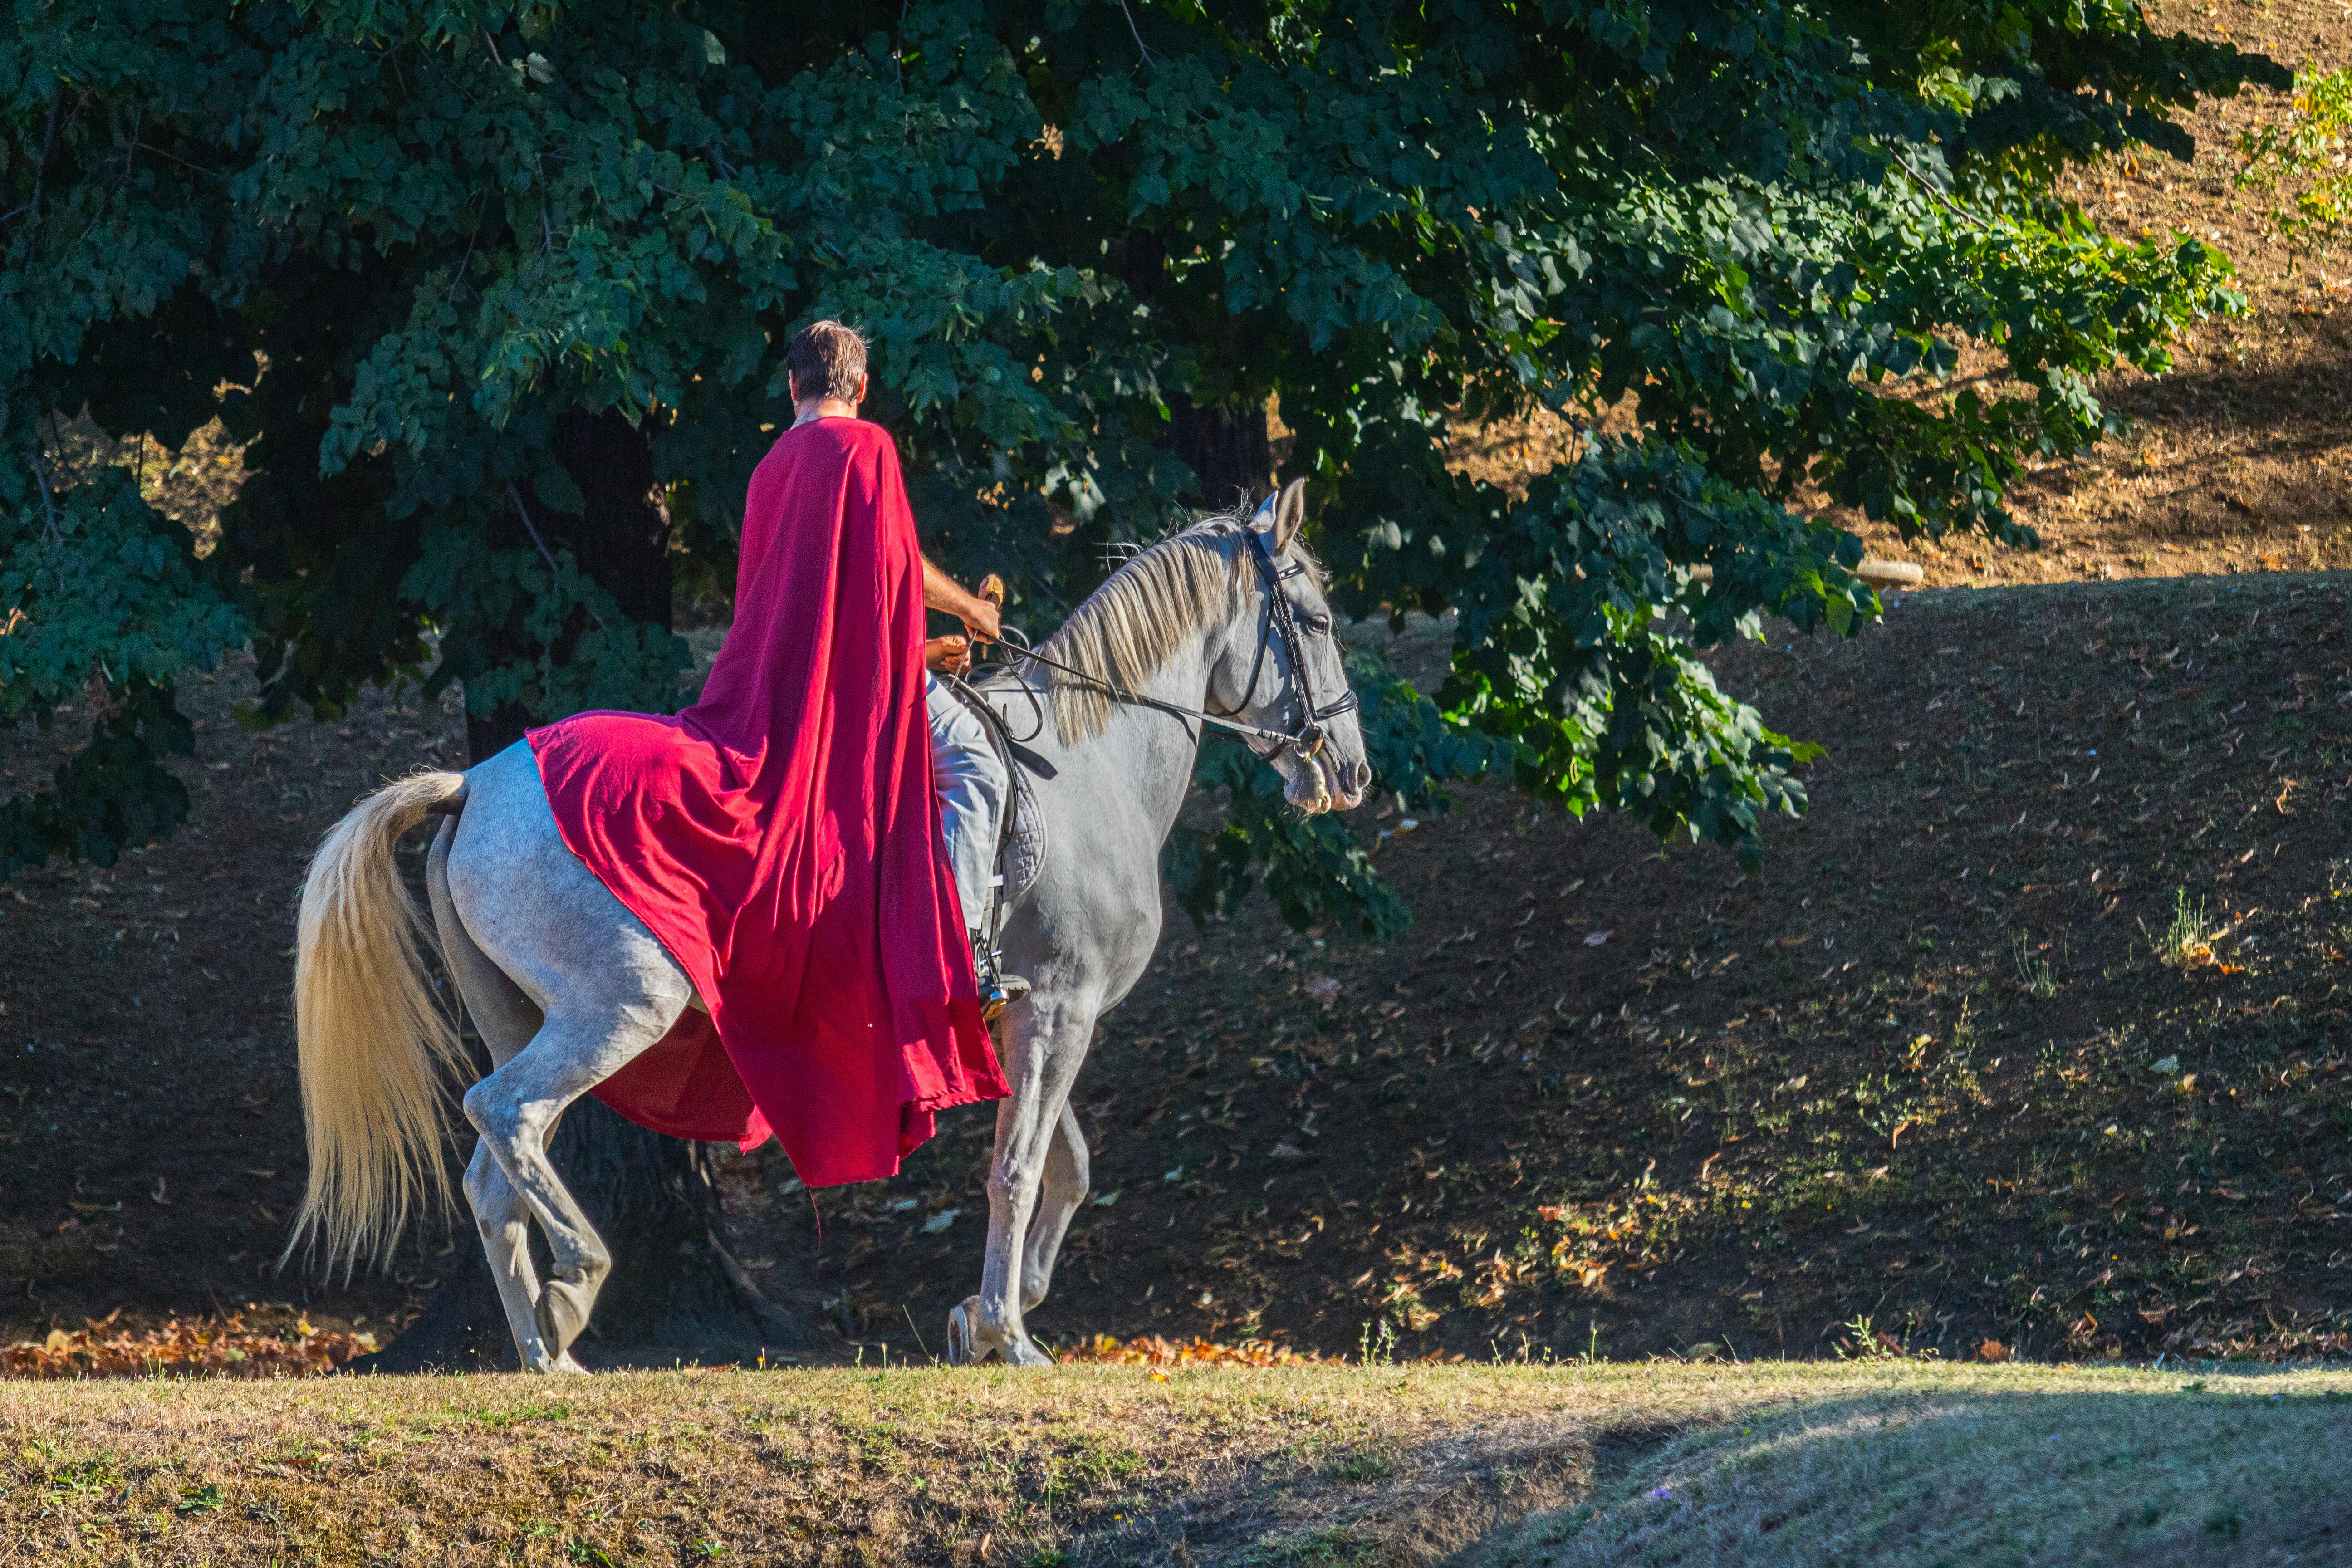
{"points": [[969, 779]]}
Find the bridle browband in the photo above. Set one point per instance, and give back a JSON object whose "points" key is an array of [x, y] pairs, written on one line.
{"points": [[1307, 741]]}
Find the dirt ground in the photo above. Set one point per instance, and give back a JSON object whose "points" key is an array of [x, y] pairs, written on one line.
{"points": [[1931, 1069]]}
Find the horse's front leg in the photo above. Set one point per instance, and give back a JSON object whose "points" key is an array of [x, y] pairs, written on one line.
{"points": [[1046, 1045], [1065, 1188]]}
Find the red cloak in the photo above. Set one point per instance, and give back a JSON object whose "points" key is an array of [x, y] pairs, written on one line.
{"points": [[781, 840]]}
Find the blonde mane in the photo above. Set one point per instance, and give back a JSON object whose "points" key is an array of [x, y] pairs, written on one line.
{"points": [[1137, 620]]}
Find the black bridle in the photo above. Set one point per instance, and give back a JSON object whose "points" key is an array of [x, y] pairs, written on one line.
{"points": [[1307, 740], [1281, 618]]}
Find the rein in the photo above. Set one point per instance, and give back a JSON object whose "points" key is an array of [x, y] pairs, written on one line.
{"points": [[1309, 739]]}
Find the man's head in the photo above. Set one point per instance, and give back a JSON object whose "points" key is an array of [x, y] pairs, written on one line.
{"points": [[827, 362]]}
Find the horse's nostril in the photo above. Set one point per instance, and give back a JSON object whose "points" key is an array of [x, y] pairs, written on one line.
{"points": [[1355, 778]]}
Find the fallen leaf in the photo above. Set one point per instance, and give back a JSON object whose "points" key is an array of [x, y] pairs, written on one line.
{"points": [[941, 1221], [1287, 1149], [1323, 988], [1594, 938], [1992, 1350]]}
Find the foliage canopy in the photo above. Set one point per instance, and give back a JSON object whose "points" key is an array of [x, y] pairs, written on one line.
{"points": [[464, 266]]}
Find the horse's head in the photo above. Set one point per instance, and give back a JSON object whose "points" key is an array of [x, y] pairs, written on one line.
{"points": [[1294, 681]]}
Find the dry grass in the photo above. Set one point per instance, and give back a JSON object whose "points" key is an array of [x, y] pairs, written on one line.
{"points": [[2140, 1469], [1768, 1462]]}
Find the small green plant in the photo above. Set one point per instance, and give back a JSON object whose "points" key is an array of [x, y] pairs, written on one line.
{"points": [[2033, 970], [2187, 941], [200, 1500], [68, 1477], [1864, 1340], [1376, 1344], [2307, 151], [1361, 1463]]}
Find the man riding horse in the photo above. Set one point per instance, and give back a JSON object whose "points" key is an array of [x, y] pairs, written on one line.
{"points": [[755, 916], [826, 363]]}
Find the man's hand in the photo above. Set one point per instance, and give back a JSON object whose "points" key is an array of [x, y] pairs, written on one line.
{"points": [[941, 593], [948, 656], [983, 619]]}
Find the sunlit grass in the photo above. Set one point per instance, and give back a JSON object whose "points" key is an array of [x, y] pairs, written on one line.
{"points": [[1882, 1459]]}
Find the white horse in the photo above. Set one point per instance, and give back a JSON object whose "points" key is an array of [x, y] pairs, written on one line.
{"points": [[566, 987]]}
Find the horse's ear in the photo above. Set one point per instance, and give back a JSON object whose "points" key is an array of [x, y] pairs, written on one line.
{"points": [[1290, 511]]}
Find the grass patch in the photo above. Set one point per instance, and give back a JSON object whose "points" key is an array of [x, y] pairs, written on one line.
{"points": [[1896, 1462], [2187, 941], [2141, 1469]]}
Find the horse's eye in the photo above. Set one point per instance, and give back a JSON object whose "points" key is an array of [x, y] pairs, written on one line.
{"points": [[1319, 624]]}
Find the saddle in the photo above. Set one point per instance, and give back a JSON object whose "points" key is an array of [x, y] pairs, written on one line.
{"points": [[1021, 832]]}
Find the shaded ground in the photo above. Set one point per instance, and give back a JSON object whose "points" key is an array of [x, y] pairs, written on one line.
{"points": [[148, 1102], [1324, 1467], [1928, 1070]]}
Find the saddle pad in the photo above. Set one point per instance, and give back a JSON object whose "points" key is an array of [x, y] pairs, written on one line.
{"points": [[1024, 857], [1024, 852]]}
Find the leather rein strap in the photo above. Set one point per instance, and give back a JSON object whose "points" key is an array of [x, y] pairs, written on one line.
{"points": [[1309, 738]]}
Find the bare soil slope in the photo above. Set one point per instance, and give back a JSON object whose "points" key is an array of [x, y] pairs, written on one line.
{"points": [[1930, 1068]]}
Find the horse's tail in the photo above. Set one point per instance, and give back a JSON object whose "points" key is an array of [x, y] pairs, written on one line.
{"points": [[377, 1047]]}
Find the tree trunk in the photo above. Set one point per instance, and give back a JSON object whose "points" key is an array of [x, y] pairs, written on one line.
{"points": [[1223, 436], [676, 1289], [1229, 447]]}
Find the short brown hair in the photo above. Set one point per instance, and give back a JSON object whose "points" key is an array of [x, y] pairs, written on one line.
{"points": [[826, 360]]}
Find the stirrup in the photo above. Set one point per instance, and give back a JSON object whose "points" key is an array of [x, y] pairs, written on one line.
{"points": [[998, 989]]}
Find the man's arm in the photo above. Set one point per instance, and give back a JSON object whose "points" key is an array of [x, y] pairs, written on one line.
{"points": [[941, 593]]}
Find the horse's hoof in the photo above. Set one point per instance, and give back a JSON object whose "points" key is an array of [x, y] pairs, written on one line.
{"points": [[962, 1350], [561, 1311]]}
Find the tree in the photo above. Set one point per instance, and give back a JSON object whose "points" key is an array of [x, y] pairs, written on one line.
{"points": [[504, 288]]}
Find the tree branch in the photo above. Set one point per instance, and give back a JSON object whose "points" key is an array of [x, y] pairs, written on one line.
{"points": [[1140, 46], [1932, 189], [41, 169], [544, 552], [47, 502]]}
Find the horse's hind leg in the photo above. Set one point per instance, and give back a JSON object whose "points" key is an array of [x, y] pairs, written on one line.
{"points": [[506, 1019], [1058, 1200], [605, 988], [516, 1107]]}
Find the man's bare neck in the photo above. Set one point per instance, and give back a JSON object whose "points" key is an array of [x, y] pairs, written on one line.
{"points": [[823, 409]]}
